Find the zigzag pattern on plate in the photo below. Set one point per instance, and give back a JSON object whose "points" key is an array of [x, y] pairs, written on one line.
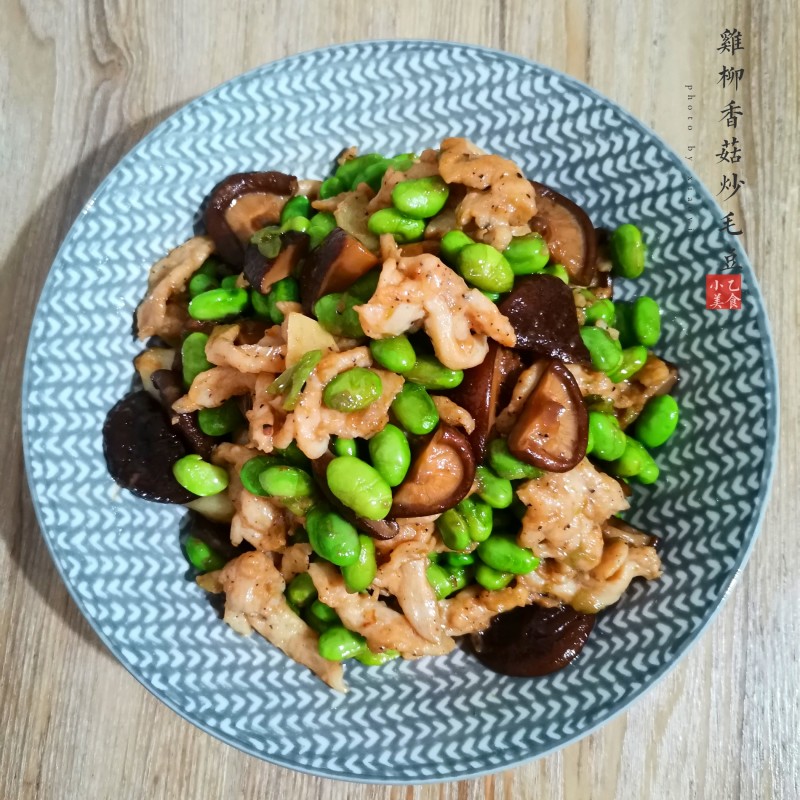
{"points": [[439, 718]]}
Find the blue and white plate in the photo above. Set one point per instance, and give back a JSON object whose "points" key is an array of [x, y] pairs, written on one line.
{"points": [[440, 718]]}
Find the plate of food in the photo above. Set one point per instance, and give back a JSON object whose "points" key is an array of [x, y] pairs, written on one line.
{"points": [[423, 456]]}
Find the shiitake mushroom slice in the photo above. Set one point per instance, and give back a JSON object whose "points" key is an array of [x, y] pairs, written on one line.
{"points": [[262, 272]]}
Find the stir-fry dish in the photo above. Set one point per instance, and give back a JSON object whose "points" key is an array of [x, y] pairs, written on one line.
{"points": [[403, 408]]}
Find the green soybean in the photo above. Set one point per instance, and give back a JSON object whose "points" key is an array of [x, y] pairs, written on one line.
{"points": [[332, 537], [330, 188], [446, 580], [557, 271], [353, 390], [260, 305], [365, 286], [633, 359], [319, 226], [371, 659], [658, 421], [607, 440], [286, 482], [218, 304], [336, 313], [339, 644], [200, 282], [221, 420], [505, 555], [372, 175], [495, 491], [395, 354], [493, 296], [348, 171], [283, 291], [359, 575], [454, 530], [635, 462], [193, 357], [605, 352], [292, 454], [268, 241], [508, 466], [359, 486], [321, 617], [390, 454], [415, 410], [601, 310], [199, 477], [478, 516], [453, 242], [624, 324], [527, 254], [297, 206], [344, 447], [299, 224], [201, 556], [404, 228], [210, 267], [420, 198], [627, 251], [492, 579], [251, 471], [229, 282], [646, 321], [458, 559], [301, 590], [486, 268], [429, 372]]}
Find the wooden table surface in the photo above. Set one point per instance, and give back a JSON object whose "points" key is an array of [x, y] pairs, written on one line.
{"points": [[80, 83]]}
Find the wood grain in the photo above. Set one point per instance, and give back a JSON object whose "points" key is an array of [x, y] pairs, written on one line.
{"points": [[80, 83]]}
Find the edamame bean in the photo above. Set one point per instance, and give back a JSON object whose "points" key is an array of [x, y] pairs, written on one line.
{"points": [[297, 206], [268, 241], [321, 617], [458, 559], [624, 324], [301, 590], [646, 321], [370, 659], [299, 224], [286, 290], [395, 354], [359, 575], [492, 579], [229, 281], [404, 229], [330, 187], [484, 267], [415, 410], [359, 486], [453, 529], [211, 267], [251, 471], [507, 466], [658, 421], [199, 477], [446, 580], [627, 251], [193, 357], [635, 462], [353, 390], [286, 482], [218, 304], [453, 242], [429, 372], [348, 171], [390, 454], [200, 283], [601, 310], [332, 537], [372, 175], [201, 556], [557, 271], [339, 644], [336, 313], [633, 359], [260, 305], [495, 491], [221, 420], [365, 286], [527, 254], [607, 440], [345, 447], [292, 454], [420, 198], [493, 296], [478, 516], [505, 555], [605, 352], [319, 226]]}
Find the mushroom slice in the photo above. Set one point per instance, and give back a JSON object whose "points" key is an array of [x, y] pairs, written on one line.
{"points": [[617, 529], [541, 309], [377, 528], [261, 272], [141, 446], [568, 232], [484, 391], [338, 262], [552, 428], [242, 204], [441, 475]]}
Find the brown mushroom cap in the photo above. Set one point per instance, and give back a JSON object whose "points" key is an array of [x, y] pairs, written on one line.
{"points": [[552, 428], [541, 309], [243, 203], [619, 529], [532, 640], [338, 262], [568, 232], [485, 391], [442, 473], [140, 447], [261, 272]]}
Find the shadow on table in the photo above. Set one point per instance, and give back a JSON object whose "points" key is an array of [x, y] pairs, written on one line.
{"points": [[21, 279]]}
